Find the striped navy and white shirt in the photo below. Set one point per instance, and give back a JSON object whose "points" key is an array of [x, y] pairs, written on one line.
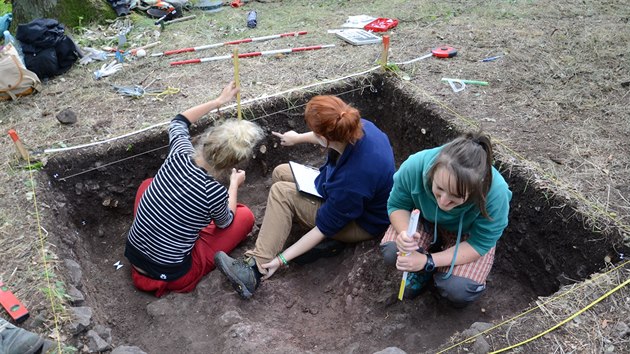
{"points": [[181, 200]]}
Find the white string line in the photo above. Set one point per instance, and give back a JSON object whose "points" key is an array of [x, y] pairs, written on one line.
{"points": [[304, 104], [46, 151], [165, 146], [112, 163], [51, 150]]}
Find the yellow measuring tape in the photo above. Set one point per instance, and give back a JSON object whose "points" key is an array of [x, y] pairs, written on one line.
{"points": [[537, 307], [576, 194], [51, 298], [566, 320]]}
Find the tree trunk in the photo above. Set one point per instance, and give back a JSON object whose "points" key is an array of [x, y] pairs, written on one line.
{"points": [[71, 13]]}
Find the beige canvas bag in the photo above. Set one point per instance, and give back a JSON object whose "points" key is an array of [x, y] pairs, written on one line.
{"points": [[15, 79]]}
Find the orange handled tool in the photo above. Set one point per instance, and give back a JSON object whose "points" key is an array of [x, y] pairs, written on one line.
{"points": [[18, 144], [14, 307], [163, 5]]}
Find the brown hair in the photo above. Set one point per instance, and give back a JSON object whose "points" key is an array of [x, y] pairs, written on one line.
{"points": [[332, 118], [469, 160]]}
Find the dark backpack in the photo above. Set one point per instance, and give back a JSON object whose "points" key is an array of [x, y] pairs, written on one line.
{"points": [[47, 50]]}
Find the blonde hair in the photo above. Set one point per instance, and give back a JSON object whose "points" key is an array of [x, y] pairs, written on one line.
{"points": [[225, 145]]}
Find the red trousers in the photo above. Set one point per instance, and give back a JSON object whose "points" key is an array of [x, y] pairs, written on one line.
{"points": [[211, 240]]}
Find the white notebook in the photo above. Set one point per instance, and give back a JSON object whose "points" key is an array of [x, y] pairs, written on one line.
{"points": [[304, 178]]}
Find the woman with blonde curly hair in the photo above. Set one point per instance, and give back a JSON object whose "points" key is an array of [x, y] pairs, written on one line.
{"points": [[183, 216], [354, 184]]}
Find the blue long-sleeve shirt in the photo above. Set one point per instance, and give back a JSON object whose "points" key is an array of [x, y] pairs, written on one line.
{"points": [[356, 185]]}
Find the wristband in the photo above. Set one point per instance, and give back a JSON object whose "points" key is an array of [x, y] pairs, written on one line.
{"points": [[284, 260]]}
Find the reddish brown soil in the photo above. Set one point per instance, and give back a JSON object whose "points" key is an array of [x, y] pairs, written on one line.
{"points": [[342, 304]]}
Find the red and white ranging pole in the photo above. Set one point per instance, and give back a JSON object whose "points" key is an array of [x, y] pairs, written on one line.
{"points": [[252, 54], [238, 41]]}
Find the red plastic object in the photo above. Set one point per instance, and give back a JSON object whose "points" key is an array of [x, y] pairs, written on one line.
{"points": [[444, 52], [381, 25], [237, 3], [13, 135], [12, 305]]}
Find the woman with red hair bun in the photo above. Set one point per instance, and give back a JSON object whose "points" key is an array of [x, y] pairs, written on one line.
{"points": [[354, 184]]}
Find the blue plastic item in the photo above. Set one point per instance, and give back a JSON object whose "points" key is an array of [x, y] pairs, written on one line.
{"points": [[5, 21], [251, 19]]}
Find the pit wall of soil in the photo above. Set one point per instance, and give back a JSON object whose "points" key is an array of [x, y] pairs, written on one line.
{"points": [[545, 245]]}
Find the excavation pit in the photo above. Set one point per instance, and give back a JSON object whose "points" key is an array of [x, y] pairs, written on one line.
{"points": [[341, 304]]}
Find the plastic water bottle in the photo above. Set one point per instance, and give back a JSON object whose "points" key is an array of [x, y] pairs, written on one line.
{"points": [[8, 38], [251, 19]]}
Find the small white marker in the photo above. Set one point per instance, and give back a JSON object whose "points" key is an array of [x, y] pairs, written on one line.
{"points": [[118, 265]]}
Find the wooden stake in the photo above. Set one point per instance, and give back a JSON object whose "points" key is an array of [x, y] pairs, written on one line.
{"points": [[180, 19], [150, 45], [385, 54], [18, 144], [237, 81]]}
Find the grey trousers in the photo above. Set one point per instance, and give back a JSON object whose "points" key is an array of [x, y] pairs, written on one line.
{"points": [[458, 290]]}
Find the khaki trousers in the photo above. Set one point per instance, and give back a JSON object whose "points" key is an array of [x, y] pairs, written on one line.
{"points": [[284, 205]]}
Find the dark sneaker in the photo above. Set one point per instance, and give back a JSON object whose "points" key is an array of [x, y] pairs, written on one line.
{"points": [[242, 273], [15, 340], [327, 248], [416, 283]]}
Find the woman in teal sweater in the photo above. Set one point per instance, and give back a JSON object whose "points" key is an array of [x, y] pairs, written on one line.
{"points": [[464, 206]]}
